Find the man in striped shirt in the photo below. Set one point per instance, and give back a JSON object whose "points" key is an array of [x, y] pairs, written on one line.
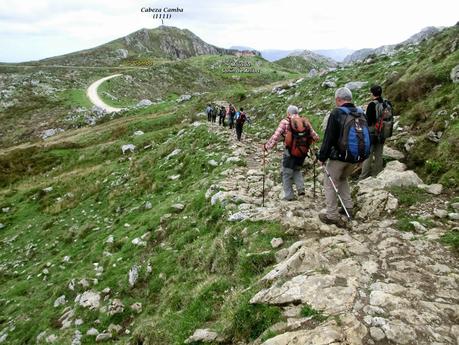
{"points": [[291, 166]]}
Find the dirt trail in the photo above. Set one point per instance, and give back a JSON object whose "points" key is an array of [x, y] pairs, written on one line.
{"points": [[94, 97]]}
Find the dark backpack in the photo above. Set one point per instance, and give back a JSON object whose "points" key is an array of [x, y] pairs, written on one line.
{"points": [[384, 120], [298, 138], [354, 142], [240, 117]]}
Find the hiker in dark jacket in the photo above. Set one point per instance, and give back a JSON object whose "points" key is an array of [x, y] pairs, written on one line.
{"points": [[240, 119], [374, 164], [215, 112], [209, 112], [338, 168], [221, 116]]}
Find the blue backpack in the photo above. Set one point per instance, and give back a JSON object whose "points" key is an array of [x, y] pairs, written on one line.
{"points": [[354, 142]]}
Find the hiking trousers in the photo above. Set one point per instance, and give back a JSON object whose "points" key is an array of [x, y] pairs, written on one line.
{"points": [[373, 165], [239, 127], [209, 116], [339, 172], [291, 174], [231, 124], [221, 120]]}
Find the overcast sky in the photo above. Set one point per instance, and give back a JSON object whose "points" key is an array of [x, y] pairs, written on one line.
{"points": [[35, 29]]}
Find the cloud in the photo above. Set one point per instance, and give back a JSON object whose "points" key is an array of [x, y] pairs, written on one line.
{"points": [[260, 24]]}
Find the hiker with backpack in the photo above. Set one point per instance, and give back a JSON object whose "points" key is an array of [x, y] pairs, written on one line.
{"points": [[346, 143], [298, 136], [380, 120], [240, 119], [209, 112], [231, 115], [215, 112], [221, 116]]}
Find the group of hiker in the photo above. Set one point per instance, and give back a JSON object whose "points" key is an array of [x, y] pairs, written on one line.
{"points": [[351, 137], [236, 118]]}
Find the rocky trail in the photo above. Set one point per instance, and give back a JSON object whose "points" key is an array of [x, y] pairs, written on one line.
{"points": [[371, 283]]}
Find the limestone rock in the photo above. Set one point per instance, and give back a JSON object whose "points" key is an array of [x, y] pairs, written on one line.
{"points": [[435, 189], [392, 178], [89, 299], [92, 332], [183, 98], [440, 213], [138, 133], [133, 275], [276, 242], [204, 335], [303, 289], [144, 103], [137, 307], [377, 333], [60, 301], [453, 216], [328, 84], [128, 147], [115, 307], [355, 85], [322, 335], [103, 337], [392, 153]]}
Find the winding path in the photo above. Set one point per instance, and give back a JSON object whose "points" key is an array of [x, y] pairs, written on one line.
{"points": [[94, 97]]}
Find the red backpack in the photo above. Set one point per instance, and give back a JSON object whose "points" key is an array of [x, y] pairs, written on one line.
{"points": [[299, 137]]}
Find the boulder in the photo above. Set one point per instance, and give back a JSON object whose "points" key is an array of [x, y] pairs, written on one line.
{"points": [[89, 299], [144, 103], [329, 84], [128, 147], [393, 178], [60, 301], [205, 336], [276, 242], [434, 189], [133, 275], [355, 85], [183, 98], [392, 153]]}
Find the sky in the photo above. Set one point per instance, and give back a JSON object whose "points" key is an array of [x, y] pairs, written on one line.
{"points": [[35, 29]]}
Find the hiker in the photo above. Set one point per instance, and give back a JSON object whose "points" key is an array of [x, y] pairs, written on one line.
{"points": [[215, 112], [298, 136], [346, 143], [380, 120], [231, 114], [209, 112], [221, 116], [240, 119]]}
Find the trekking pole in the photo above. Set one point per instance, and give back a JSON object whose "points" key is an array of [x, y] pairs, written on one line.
{"points": [[264, 173], [337, 193], [314, 179]]}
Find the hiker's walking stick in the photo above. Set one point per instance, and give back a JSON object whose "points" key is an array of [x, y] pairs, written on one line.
{"points": [[337, 193], [264, 173], [314, 179]]}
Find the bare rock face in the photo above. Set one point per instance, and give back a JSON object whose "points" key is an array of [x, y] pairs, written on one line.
{"points": [[323, 335]]}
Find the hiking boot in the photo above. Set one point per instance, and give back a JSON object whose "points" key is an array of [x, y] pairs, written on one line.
{"points": [[349, 210], [338, 222]]}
